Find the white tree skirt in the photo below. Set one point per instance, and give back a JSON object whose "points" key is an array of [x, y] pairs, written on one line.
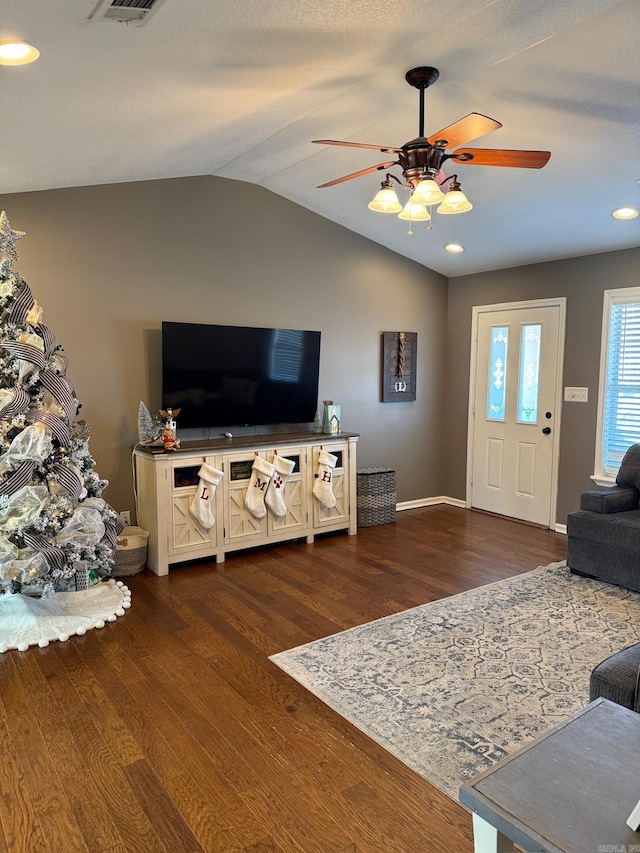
{"points": [[26, 621]]}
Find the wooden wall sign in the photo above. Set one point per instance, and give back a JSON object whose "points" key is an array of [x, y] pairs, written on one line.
{"points": [[399, 358]]}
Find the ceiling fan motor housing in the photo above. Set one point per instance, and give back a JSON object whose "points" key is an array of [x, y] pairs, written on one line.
{"points": [[418, 157]]}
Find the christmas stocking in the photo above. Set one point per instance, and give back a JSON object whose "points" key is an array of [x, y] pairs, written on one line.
{"points": [[275, 490], [201, 507], [322, 488], [260, 477]]}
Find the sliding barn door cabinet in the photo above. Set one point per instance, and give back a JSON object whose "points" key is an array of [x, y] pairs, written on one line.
{"points": [[167, 482]]}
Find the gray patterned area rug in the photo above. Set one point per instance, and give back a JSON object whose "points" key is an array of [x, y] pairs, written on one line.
{"points": [[453, 686]]}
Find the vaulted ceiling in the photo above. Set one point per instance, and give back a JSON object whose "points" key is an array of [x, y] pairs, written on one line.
{"points": [[240, 90]]}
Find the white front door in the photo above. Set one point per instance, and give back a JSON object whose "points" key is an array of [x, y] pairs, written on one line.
{"points": [[515, 401]]}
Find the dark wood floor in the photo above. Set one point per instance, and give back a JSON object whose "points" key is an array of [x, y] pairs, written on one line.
{"points": [[170, 730]]}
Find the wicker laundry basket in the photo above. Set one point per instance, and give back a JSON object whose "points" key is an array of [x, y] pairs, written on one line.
{"points": [[376, 496], [131, 552]]}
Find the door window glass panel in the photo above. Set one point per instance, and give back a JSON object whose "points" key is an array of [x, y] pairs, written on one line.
{"points": [[529, 373], [497, 373]]}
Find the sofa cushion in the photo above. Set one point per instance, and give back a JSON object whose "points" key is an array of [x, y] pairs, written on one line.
{"points": [[620, 529], [629, 472], [609, 499]]}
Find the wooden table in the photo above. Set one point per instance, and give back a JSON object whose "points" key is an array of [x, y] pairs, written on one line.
{"points": [[569, 791]]}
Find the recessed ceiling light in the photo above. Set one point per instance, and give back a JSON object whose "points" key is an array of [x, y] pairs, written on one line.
{"points": [[624, 213], [456, 248], [17, 52]]}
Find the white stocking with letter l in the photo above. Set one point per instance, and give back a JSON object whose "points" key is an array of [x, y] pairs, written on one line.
{"points": [[201, 507]]}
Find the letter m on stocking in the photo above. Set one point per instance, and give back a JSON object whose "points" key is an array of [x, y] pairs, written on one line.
{"points": [[261, 473]]}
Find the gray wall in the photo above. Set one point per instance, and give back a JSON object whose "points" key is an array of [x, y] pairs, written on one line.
{"points": [[109, 263], [582, 281]]}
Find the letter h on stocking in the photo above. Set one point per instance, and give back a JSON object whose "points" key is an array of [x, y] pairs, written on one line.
{"points": [[322, 488]]}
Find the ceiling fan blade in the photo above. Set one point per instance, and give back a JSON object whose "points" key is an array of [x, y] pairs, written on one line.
{"points": [[358, 144], [470, 127], [501, 157], [359, 174]]}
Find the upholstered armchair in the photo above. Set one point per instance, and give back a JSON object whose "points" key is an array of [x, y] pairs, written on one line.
{"points": [[603, 542], [603, 536]]}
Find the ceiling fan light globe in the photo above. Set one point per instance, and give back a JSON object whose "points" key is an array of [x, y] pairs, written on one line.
{"points": [[385, 201], [428, 192], [414, 212], [455, 201]]}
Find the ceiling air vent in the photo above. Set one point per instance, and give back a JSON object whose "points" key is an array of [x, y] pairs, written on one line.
{"points": [[135, 12]]}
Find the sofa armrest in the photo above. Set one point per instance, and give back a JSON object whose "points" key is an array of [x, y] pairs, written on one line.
{"points": [[610, 499], [616, 678]]}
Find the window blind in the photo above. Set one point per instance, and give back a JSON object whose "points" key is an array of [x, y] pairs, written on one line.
{"points": [[621, 425]]}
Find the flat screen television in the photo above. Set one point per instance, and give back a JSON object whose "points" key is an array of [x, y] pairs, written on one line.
{"points": [[239, 375]]}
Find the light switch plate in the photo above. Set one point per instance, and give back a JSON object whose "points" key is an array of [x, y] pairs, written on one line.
{"points": [[576, 395]]}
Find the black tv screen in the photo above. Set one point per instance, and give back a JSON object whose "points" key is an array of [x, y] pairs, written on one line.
{"points": [[239, 375]]}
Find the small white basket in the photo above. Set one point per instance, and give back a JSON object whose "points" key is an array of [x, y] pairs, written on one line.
{"points": [[131, 552]]}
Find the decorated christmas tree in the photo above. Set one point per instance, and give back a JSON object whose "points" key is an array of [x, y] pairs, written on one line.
{"points": [[57, 534]]}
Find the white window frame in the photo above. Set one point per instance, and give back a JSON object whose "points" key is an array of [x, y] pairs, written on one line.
{"points": [[611, 297]]}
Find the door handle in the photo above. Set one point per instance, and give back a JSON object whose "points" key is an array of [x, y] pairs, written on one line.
{"points": [[546, 430]]}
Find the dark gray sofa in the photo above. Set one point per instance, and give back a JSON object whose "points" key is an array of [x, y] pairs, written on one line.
{"points": [[603, 542], [603, 536]]}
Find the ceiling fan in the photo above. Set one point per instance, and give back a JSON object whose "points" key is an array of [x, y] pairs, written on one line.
{"points": [[422, 158]]}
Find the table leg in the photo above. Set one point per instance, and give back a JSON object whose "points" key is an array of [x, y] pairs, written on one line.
{"points": [[487, 839]]}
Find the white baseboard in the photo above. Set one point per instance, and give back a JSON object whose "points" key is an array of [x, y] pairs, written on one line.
{"points": [[561, 528], [430, 502]]}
